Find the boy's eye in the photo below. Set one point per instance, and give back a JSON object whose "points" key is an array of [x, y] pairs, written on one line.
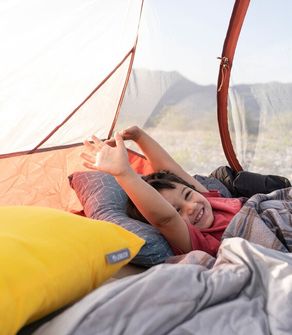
{"points": [[187, 195]]}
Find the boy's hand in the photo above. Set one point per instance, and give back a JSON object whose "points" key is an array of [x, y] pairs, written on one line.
{"points": [[132, 133], [102, 157]]}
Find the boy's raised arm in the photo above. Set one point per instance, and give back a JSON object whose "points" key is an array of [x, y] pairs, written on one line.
{"points": [[158, 212], [158, 156]]}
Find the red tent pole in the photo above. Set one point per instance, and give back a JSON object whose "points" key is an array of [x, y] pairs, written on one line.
{"points": [[133, 53], [235, 24]]}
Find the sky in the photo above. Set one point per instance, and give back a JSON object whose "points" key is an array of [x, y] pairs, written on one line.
{"points": [[188, 35]]}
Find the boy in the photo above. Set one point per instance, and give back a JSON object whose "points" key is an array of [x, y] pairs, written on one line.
{"points": [[183, 210]]}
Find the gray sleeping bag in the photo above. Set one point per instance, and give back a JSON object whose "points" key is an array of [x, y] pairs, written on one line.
{"points": [[247, 291]]}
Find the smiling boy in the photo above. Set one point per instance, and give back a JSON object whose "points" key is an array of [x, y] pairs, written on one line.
{"points": [[183, 210]]}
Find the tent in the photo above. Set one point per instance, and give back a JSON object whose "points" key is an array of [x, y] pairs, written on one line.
{"points": [[67, 73], [212, 90]]}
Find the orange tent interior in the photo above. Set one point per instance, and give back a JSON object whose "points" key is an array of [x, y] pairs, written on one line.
{"points": [[210, 80], [50, 104]]}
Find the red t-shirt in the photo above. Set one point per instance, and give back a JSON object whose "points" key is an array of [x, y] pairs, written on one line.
{"points": [[209, 239]]}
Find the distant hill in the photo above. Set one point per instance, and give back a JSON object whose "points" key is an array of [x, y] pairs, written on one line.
{"points": [[154, 96], [260, 113], [161, 98], [262, 102]]}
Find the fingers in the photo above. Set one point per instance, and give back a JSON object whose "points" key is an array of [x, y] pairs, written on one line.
{"points": [[120, 143], [90, 147], [97, 141], [87, 143], [126, 135], [119, 139], [111, 142], [90, 166], [93, 147], [98, 144], [88, 158]]}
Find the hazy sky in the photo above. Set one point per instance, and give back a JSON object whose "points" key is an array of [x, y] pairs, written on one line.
{"points": [[188, 35]]}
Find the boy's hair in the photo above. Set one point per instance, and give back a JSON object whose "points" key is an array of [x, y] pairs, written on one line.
{"points": [[159, 180]]}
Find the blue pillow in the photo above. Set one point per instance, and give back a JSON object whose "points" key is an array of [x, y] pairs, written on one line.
{"points": [[212, 183], [102, 198]]}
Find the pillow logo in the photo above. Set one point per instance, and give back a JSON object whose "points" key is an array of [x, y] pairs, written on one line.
{"points": [[118, 256]]}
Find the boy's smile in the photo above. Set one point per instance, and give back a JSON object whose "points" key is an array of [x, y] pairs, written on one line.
{"points": [[193, 207]]}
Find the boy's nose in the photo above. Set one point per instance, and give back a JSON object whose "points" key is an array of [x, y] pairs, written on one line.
{"points": [[190, 208]]}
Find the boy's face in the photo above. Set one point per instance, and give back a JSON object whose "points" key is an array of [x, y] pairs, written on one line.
{"points": [[191, 205]]}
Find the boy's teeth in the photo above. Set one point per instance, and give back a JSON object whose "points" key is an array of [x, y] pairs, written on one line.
{"points": [[200, 214]]}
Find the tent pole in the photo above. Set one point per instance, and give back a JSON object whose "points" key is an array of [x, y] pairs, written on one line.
{"points": [[235, 24], [133, 52]]}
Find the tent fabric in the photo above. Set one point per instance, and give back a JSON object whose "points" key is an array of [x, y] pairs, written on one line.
{"points": [[56, 54], [40, 179], [63, 73], [260, 91], [139, 163]]}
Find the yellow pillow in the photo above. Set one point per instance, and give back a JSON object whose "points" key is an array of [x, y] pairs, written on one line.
{"points": [[50, 258]]}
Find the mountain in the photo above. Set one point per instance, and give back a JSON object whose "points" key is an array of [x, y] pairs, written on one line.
{"points": [[157, 97], [168, 98], [184, 114], [263, 102]]}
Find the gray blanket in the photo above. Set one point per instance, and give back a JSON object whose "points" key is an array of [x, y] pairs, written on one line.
{"points": [[265, 219], [247, 291]]}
